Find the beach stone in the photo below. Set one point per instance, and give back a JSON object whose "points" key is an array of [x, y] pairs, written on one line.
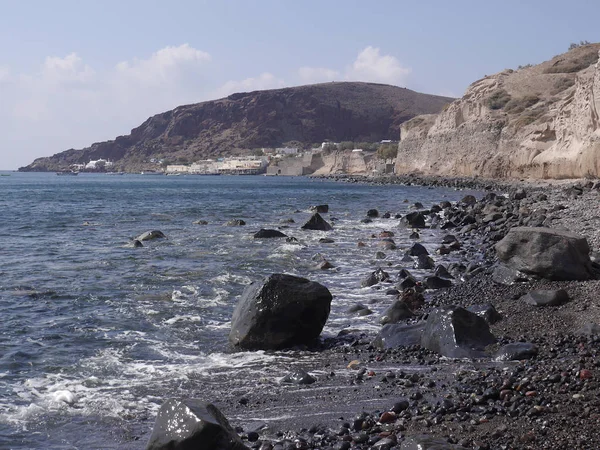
{"points": [[428, 442], [407, 282], [414, 220], [414, 235], [322, 209], [589, 329], [404, 273], [396, 312], [399, 335], [357, 307], [417, 249], [546, 297], [299, 376], [191, 423], [487, 311], [200, 222], [281, 312], [435, 282], [412, 298], [235, 223], [516, 351], [442, 272], [316, 222], [424, 262], [325, 265], [503, 274], [372, 213], [150, 235], [468, 200], [375, 277], [379, 255], [519, 194], [547, 253], [134, 244], [265, 234], [454, 332], [326, 241]]}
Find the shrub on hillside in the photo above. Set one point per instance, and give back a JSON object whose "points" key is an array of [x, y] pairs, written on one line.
{"points": [[498, 99], [561, 84], [574, 64], [387, 151], [518, 105]]}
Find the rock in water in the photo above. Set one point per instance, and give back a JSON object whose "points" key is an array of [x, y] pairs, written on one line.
{"points": [[375, 277], [149, 235], [547, 253], [235, 223], [187, 424], [316, 222], [414, 220], [320, 208], [281, 312], [264, 234], [454, 332]]}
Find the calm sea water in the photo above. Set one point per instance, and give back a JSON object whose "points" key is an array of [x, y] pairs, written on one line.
{"points": [[95, 335]]}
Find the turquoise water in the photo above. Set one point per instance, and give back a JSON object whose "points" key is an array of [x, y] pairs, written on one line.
{"points": [[94, 335]]}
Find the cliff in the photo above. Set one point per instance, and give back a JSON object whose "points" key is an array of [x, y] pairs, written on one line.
{"points": [[539, 121], [346, 111]]}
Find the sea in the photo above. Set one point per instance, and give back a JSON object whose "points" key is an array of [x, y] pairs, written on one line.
{"points": [[95, 334]]}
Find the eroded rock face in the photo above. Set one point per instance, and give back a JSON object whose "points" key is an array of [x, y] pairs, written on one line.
{"points": [[546, 253], [187, 424], [457, 333], [540, 121], [281, 312]]}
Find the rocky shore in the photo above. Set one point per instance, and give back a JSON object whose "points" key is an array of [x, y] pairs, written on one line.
{"points": [[534, 387]]}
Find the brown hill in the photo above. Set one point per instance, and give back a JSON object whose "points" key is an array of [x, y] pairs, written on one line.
{"points": [[540, 121], [348, 111]]}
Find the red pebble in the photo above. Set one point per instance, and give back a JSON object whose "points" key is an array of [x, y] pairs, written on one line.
{"points": [[387, 417], [585, 374]]}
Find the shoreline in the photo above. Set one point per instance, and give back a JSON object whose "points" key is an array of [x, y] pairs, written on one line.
{"points": [[548, 401]]}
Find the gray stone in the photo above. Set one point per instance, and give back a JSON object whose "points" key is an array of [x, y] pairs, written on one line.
{"points": [[589, 329], [546, 297], [516, 351], [435, 282], [427, 442], [187, 424], [265, 234], [399, 335], [281, 312], [547, 253], [414, 220], [488, 312], [235, 223], [454, 332], [316, 222], [503, 274], [320, 208], [375, 277], [150, 235], [396, 312], [417, 249], [299, 376]]}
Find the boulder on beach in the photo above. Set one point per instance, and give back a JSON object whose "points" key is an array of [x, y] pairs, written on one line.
{"points": [[546, 253], [280, 312], [299, 376], [489, 313], [375, 277], [546, 297], [150, 235], [316, 222], [417, 249], [266, 234], [516, 351], [395, 335], [396, 312], [454, 332], [186, 424], [428, 442]]}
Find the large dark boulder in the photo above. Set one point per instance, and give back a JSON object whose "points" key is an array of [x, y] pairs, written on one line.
{"points": [[192, 424], [417, 250], [281, 312], [395, 335], [396, 312], [546, 297], [454, 332], [547, 253], [516, 351], [265, 234], [316, 222]]}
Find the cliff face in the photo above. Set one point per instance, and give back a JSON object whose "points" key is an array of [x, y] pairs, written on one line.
{"points": [[241, 122], [539, 121]]}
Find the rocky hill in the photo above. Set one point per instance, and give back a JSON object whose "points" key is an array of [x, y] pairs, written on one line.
{"points": [[345, 111], [538, 121]]}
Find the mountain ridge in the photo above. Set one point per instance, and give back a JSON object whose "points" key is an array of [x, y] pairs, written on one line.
{"points": [[337, 111]]}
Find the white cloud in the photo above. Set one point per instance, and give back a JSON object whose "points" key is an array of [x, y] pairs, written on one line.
{"points": [[163, 65], [4, 74], [370, 65], [265, 80], [69, 69], [310, 75]]}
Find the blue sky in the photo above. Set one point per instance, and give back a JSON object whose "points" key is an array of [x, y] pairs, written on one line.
{"points": [[77, 72]]}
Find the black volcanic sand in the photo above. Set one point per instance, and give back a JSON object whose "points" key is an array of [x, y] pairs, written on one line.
{"points": [[551, 401]]}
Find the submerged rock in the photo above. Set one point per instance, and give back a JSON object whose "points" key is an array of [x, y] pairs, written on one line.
{"points": [[150, 235], [375, 277], [187, 424], [281, 312], [235, 223], [264, 234]]}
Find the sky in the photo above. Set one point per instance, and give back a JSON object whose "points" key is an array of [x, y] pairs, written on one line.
{"points": [[76, 72]]}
